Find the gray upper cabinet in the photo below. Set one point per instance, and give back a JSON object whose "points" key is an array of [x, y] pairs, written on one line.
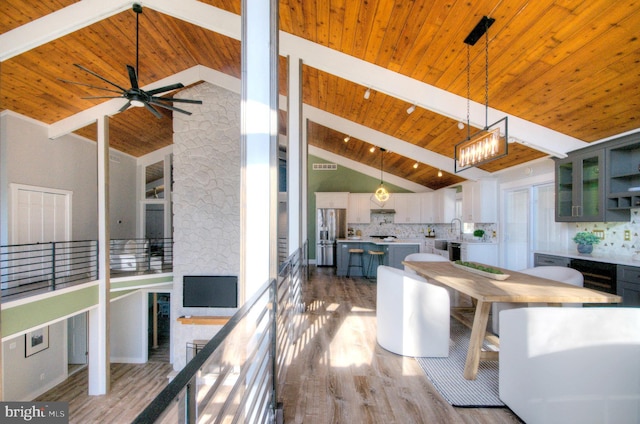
{"points": [[580, 187], [623, 182], [599, 183]]}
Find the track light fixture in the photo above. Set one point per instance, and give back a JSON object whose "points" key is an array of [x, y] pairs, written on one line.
{"points": [[415, 165], [367, 94], [411, 109], [439, 173], [346, 139], [372, 149]]}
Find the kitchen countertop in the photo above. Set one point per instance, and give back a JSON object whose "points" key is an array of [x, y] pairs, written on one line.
{"points": [[610, 259], [380, 241]]}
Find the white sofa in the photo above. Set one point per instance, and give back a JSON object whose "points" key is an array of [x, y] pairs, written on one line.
{"points": [[412, 314], [571, 365]]}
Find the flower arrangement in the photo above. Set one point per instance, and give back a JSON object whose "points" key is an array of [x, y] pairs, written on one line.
{"points": [[585, 237]]}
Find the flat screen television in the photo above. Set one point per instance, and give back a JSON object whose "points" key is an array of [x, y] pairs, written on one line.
{"points": [[210, 291]]}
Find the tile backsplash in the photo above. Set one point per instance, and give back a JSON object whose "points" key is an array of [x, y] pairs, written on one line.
{"points": [[614, 242], [382, 224]]}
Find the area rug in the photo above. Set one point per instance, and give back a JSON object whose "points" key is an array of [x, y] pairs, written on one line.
{"points": [[446, 374]]}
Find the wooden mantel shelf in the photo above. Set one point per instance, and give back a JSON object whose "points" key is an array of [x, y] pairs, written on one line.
{"points": [[204, 320]]}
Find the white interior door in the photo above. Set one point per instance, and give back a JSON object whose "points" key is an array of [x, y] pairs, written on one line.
{"points": [[77, 339], [516, 228], [40, 215]]}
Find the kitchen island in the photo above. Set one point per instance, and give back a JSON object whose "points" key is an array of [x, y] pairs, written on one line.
{"points": [[394, 253]]}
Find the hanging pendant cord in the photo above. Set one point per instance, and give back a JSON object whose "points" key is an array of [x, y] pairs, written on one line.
{"points": [[381, 159]]}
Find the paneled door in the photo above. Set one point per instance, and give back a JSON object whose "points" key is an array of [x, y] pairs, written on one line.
{"points": [[39, 215]]}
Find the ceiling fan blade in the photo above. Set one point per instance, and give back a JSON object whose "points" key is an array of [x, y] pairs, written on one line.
{"points": [[175, 109], [153, 110], [133, 77], [173, 99], [165, 88], [104, 97], [125, 107], [98, 76], [88, 85]]}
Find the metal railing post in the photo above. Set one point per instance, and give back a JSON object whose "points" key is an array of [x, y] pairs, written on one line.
{"points": [[53, 266]]}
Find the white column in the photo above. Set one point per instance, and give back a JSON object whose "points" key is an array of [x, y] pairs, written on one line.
{"points": [[259, 144], [294, 153], [99, 371]]}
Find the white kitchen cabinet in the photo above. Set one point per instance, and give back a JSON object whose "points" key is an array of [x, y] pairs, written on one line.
{"points": [[359, 210], [485, 253], [339, 200], [428, 246], [445, 205], [480, 201], [427, 207], [407, 207]]}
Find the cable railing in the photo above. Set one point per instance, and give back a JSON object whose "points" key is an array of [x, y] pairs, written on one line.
{"points": [[35, 268], [237, 375]]}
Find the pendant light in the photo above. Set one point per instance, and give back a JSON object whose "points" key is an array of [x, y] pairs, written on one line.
{"points": [[381, 194], [487, 144]]}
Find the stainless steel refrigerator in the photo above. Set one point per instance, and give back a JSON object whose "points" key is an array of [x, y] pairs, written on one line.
{"points": [[331, 224]]}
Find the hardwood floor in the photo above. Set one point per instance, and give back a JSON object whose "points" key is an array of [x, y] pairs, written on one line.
{"points": [[338, 373], [133, 386], [341, 375]]}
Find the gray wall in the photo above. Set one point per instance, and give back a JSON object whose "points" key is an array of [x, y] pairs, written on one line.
{"points": [[28, 377], [68, 163]]}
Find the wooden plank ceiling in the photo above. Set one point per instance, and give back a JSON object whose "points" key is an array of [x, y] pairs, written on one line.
{"points": [[569, 65]]}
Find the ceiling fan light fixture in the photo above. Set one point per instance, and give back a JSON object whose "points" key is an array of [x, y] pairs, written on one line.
{"points": [[137, 103]]}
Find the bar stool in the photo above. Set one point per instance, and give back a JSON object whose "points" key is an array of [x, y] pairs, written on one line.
{"points": [[377, 254], [352, 252]]}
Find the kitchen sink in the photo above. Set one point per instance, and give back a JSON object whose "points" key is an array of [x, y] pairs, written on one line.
{"points": [[440, 244]]}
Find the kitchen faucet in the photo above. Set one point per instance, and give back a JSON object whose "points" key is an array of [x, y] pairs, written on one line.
{"points": [[453, 227]]}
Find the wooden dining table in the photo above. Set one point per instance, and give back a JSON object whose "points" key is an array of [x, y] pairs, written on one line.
{"points": [[517, 288]]}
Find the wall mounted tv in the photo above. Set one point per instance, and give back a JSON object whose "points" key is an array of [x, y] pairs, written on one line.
{"points": [[210, 291]]}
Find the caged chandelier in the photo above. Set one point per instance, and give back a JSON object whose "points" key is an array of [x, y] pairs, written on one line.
{"points": [[487, 144]]}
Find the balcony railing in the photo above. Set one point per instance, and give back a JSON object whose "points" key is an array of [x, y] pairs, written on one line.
{"points": [[29, 269], [237, 375]]}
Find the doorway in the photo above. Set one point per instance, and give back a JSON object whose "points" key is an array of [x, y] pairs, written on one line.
{"points": [[77, 337], [529, 225]]}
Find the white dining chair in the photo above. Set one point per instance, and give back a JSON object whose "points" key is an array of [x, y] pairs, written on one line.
{"points": [[557, 273], [412, 315], [454, 296]]}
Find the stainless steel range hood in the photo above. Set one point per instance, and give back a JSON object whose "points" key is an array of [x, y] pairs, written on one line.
{"points": [[383, 211]]}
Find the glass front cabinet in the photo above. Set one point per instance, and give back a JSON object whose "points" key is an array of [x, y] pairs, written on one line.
{"points": [[580, 187]]}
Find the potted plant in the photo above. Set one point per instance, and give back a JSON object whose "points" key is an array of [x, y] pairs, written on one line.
{"points": [[478, 234], [585, 241]]}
